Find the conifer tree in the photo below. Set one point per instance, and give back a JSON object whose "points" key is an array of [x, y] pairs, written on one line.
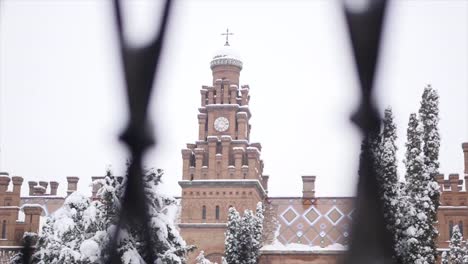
{"points": [[79, 232], [258, 230], [168, 245], [232, 245], [456, 252], [444, 259], [387, 173], [71, 235], [429, 115], [246, 253], [419, 228], [244, 236]]}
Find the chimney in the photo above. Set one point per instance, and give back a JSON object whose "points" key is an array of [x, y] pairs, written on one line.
{"points": [[4, 182], [39, 190], [53, 187], [44, 184], [17, 182], [454, 181], [465, 154], [32, 215], [308, 187], [31, 184], [72, 184]]}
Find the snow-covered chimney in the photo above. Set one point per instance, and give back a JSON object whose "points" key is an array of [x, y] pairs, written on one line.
{"points": [[454, 181], [308, 186], [4, 182], [31, 184], [72, 184], [53, 187], [44, 184]]}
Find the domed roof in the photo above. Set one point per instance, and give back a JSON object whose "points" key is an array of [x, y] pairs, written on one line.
{"points": [[226, 56]]}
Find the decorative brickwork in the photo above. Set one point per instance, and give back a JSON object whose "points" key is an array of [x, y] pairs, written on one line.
{"points": [[224, 169], [453, 209], [12, 226]]}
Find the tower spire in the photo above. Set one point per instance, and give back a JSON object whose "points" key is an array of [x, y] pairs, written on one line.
{"points": [[227, 34]]}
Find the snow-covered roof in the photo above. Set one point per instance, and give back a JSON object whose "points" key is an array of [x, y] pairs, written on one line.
{"points": [[226, 56], [276, 246]]}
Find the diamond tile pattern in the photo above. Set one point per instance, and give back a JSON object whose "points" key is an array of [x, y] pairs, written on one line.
{"points": [[289, 215], [334, 215], [312, 215], [317, 224]]}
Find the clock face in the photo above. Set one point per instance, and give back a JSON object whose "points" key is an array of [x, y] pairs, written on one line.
{"points": [[221, 124]]}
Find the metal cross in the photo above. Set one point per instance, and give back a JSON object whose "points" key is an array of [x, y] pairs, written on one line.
{"points": [[227, 36]]}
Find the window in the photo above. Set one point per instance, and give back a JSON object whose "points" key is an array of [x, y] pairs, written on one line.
{"points": [[204, 213], [4, 229], [217, 212], [450, 229]]}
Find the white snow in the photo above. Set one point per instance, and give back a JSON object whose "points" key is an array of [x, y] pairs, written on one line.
{"points": [[89, 249], [278, 246]]}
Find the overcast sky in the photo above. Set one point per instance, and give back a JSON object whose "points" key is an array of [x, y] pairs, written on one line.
{"points": [[62, 103]]}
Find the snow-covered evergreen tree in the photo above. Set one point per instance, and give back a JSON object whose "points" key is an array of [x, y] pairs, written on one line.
{"points": [[444, 259], [405, 208], [232, 243], [169, 247], [419, 231], [429, 115], [71, 235], [79, 232], [247, 234], [244, 236], [258, 230], [387, 173], [456, 252]]}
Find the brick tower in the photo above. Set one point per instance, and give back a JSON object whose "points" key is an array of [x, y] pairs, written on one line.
{"points": [[222, 168]]}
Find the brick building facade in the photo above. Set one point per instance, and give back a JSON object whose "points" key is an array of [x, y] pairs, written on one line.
{"points": [[19, 214], [223, 168]]}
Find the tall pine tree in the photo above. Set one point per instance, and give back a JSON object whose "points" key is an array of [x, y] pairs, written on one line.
{"points": [[386, 168], [244, 236], [78, 233], [429, 115], [232, 243], [168, 245], [71, 235], [419, 228], [456, 253]]}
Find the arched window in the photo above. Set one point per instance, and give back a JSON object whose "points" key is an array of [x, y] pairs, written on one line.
{"points": [[450, 229], [4, 229], [217, 212], [203, 214], [460, 225]]}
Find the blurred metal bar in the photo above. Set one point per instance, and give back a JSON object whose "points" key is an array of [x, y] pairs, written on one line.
{"points": [[371, 242], [140, 68]]}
